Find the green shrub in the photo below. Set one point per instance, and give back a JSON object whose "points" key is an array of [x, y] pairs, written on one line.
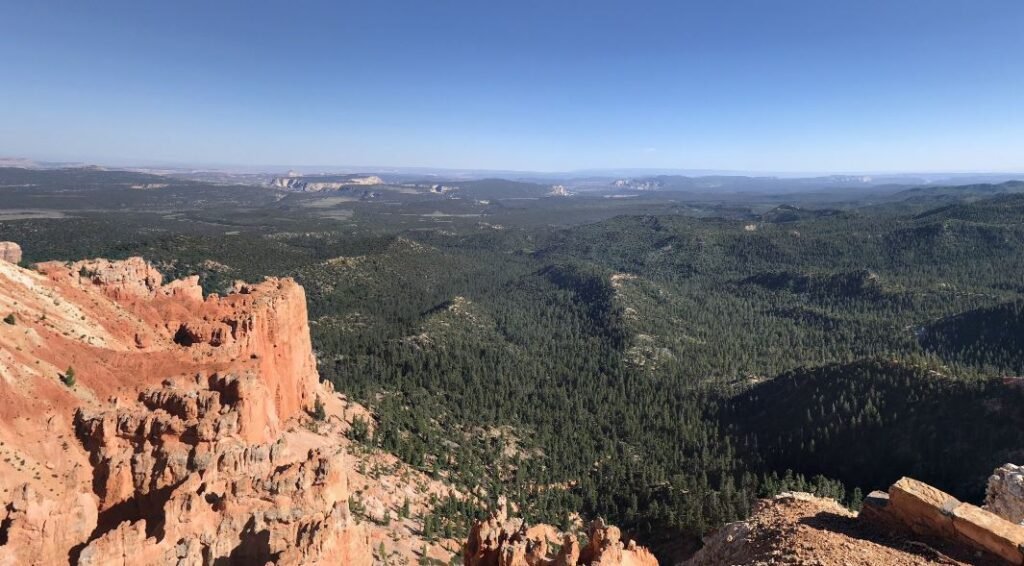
{"points": [[68, 377], [360, 431]]}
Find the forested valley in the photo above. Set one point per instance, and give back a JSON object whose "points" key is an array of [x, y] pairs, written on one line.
{"points": [[659, 364]]}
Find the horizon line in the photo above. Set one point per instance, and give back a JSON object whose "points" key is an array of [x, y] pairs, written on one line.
{"points": [[270, 168]]}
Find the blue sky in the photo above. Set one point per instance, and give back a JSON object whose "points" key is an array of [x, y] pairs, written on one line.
{"points": [[746, 85]]}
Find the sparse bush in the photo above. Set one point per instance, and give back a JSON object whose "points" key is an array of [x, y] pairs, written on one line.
{"points": [[319, 412], [68, 377], [9, 319]]}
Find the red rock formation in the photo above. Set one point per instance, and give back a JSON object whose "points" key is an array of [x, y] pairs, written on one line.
{"points": [[605, 548], [272, 329], [500, 541], [179, 440], [44, 529], [262, 329]]}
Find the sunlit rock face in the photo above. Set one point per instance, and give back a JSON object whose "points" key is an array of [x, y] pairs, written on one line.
{"points": [[142, 423], [504, 541], [1005, 493]]}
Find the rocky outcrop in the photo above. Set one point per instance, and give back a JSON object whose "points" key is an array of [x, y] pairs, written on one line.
{"points": [[244, 503], [1005, 493], [799, 528], [141, 423], [262, 329], [41, 530], [605, 547], [133, 277], [919, 509], [10, 252], [271, 331], [501, 541]]}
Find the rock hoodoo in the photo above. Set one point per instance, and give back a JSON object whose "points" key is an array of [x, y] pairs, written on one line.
{"points": [[141, 423], [1005, 493], [501, 541], [10, 252]]}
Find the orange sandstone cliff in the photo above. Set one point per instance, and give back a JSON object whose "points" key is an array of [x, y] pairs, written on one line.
{"points": [[141, 423], [504, 541]]}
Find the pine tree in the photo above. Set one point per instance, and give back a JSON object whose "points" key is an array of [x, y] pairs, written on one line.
{"points": [[319, 412], [68, 377], [856, 499]]}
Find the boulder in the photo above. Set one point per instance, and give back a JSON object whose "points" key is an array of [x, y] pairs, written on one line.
{"points": [[10, 252], [919, 509]]}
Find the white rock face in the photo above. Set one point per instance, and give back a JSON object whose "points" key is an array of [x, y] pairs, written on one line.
{"points": [[1005, 493], [10, 252], [299, 183]]}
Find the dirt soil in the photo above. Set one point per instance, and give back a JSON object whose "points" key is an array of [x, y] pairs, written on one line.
{"points": [[798, 528]]}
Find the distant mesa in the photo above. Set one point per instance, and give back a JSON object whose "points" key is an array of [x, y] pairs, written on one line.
{"points": [[638, 184], [296, 182]]}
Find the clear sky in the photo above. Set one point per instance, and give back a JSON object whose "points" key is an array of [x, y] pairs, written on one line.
{"points": [[749, 85]]}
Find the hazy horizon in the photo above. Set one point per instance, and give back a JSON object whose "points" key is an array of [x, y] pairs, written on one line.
{"points": [[312, 169]]}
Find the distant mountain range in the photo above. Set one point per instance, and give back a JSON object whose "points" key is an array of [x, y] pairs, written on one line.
{"points": [[913, 189], [782, 185], [671, 177]]}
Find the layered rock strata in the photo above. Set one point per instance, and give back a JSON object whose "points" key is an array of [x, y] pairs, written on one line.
{"points": [[141, 423]]}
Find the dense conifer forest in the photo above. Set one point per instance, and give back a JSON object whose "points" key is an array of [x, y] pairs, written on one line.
{"points": [[660, 363]]}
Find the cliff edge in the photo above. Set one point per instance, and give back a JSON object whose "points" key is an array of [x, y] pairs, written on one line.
{"points": [[142, 423], [911, 523]]}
